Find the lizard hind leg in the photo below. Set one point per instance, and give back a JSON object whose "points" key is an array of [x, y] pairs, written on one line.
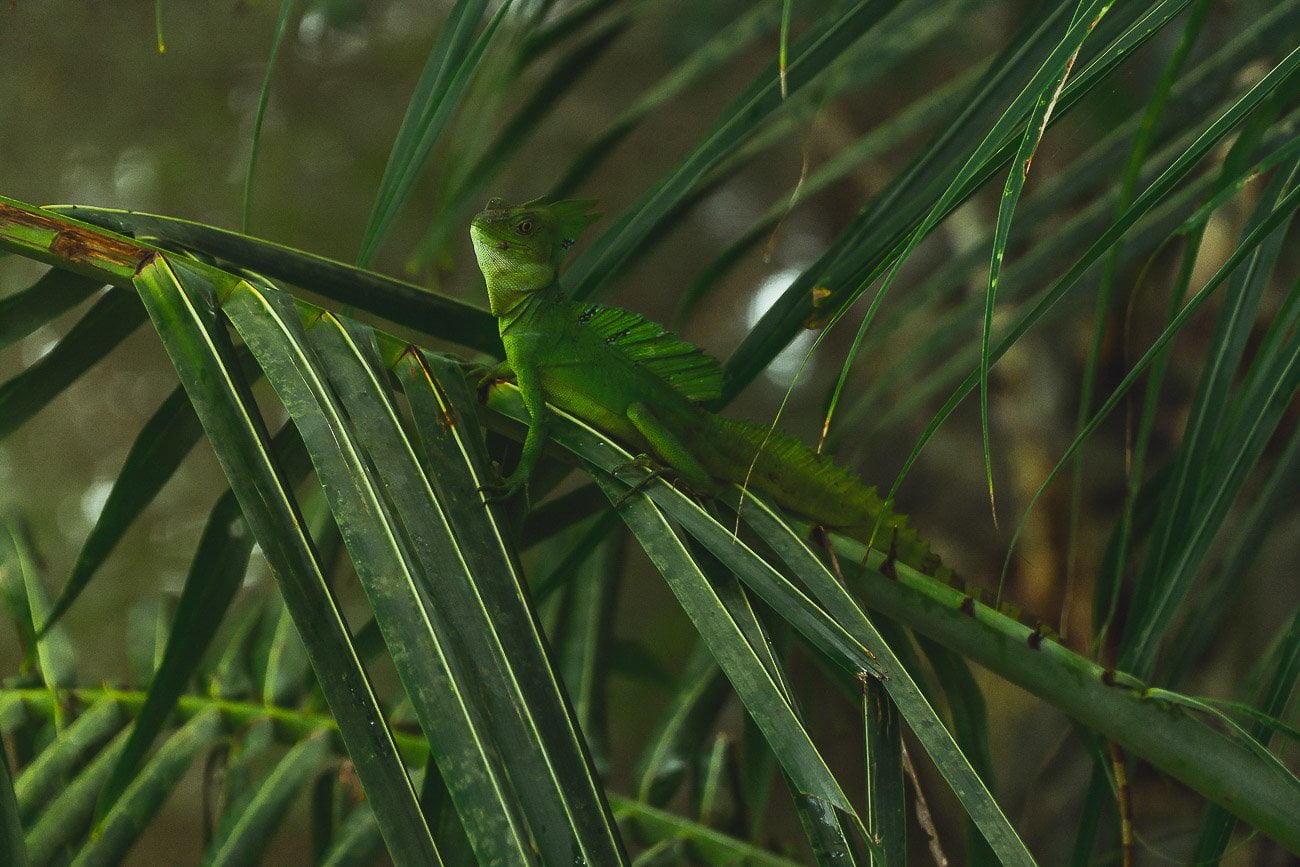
{"points": [[670, 449]]}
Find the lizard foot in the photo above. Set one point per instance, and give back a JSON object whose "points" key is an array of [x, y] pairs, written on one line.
{"points": [[640, 462], [501, 489]]}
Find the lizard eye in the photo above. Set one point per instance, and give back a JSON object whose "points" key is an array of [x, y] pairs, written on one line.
{"points": [[524, 227]]}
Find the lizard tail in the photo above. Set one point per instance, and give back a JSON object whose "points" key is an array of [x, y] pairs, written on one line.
{"points": [[813, 485]]}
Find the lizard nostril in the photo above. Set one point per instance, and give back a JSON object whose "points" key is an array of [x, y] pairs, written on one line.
{"points": [[503, 246]]}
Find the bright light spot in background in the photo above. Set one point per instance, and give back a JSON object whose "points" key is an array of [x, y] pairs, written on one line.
{"points": [[37, 345], [321, 42], [136, 173], [94, 498], [786, 364]]}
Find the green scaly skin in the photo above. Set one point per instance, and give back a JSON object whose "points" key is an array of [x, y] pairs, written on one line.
{"points": [[626, 377]]}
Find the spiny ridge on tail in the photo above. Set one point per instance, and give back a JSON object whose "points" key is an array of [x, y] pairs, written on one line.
{"points": [[816, 487]]}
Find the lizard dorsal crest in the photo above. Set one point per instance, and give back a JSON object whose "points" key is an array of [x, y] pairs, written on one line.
{"points": [[682, 365]]}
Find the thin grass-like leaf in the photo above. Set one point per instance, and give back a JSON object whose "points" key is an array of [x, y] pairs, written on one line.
{"points": [[1224, 584], [357, 840], [705, 60], [451, 65], [1039, 117], [1134, 652], [215, 575], [263, 98], [53, 653], [567, 72], [826, 41], [1156, 190], [140, 803], [711, 846], [249, 829], [684, 725], [65, 817], [880, 139], [866, 249], [1173, 556], [886, 797], [40, 781], [287, 666], [582, 642], [1142, 144], [11, 827]]}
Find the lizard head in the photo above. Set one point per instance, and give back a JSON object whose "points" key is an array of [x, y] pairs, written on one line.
{"points": [[520, 247]]}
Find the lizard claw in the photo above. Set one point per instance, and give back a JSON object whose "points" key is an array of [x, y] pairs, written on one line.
{"points": [[501, 489], [640, 462]]}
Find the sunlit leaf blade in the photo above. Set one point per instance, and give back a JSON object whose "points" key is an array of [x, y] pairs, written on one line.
{"points": [[403, 303], [40, 781], [920, 715], [104, 326], [761, 696], [56, 292], [452, 63], [182, 299], [529, 707], [395, 566], [142, 800], [248, 827], [437, 563]]}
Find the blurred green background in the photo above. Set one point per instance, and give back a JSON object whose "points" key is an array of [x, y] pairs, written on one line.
{"points": [[91, 112]]}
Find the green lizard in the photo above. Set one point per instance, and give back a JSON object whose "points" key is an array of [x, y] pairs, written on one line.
{"points": [[626, 376]]}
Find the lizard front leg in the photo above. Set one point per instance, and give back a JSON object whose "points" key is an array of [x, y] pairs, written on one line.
{"points": [[530, 389]]}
